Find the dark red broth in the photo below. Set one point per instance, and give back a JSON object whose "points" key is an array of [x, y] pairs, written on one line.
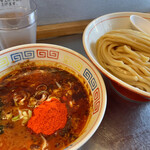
{"points": [[22, 90]]}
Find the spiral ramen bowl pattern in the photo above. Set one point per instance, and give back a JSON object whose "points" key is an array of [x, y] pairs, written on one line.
{"points": [[94, 31]]}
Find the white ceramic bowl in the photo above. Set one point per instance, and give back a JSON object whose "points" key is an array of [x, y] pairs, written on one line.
{"points": [[71, 60], [99, 27]]}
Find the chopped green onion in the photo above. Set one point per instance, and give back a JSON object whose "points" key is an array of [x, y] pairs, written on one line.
{"points": [[24, 113], [9, 116], [32, 102], [30, 113], [16, 118], [19, 98], [26, 116], [25, 120], [20, 113]]}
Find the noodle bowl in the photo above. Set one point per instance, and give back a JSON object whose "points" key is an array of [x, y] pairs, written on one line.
{"points": [[26, 85], [117, 21], [126, 54]]}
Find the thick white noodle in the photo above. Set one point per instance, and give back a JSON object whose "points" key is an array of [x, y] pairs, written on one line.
{"points": [[126, 54]]}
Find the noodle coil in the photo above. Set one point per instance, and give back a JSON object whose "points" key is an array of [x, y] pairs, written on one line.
{"points": [[126, 54]]}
